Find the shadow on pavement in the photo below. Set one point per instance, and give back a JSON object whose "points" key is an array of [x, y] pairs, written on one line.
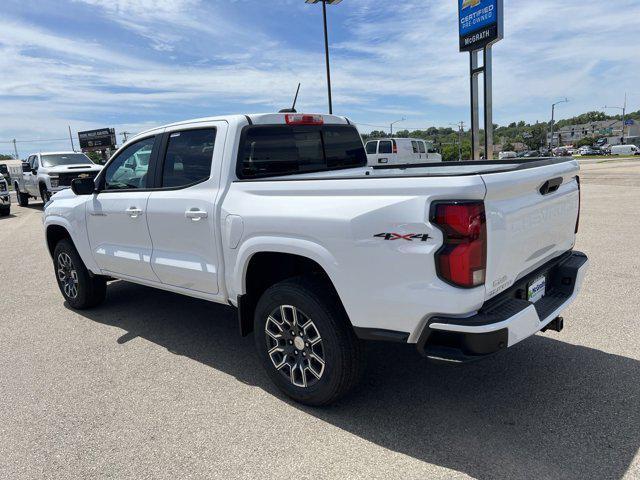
{"points": [[544, 409]]}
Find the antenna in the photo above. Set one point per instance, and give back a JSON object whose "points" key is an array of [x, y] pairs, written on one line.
{"points": [[295, 100]]}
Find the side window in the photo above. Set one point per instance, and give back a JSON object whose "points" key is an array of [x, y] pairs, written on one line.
{"points": [[189, 157], [384, 146], [33, 162], [129, 169], [421, 147], [414, 145], [371, 147]]}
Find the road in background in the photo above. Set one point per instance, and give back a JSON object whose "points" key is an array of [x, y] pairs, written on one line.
{"points": [[155, 385]]}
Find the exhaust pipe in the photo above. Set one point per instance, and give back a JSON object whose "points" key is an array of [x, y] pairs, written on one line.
{"points": [[557, 324]]}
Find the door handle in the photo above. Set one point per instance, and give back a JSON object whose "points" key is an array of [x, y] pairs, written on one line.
{"points": [[195, 214], [133, 212]]}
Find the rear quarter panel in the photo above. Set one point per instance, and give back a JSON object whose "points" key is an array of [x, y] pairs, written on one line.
{"points": [[387, 284]]}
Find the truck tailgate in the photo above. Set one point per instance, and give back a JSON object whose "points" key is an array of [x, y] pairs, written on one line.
{"points": [[529, 221]]}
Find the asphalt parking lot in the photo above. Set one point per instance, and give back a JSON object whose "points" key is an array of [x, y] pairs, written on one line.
{"points": [[155, 385]]}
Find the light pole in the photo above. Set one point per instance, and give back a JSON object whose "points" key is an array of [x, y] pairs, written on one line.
{"points": [[553, 112], [326, 43], [393, 123], [624, 115]]}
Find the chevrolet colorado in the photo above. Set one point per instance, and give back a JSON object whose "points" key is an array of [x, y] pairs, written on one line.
{"points": [[280, 216]]}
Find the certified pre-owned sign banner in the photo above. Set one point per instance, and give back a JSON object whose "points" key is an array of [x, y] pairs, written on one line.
{"points": [[480, 23]]}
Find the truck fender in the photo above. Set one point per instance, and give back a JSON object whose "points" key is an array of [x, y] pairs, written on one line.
{"points": [[291, 245]]}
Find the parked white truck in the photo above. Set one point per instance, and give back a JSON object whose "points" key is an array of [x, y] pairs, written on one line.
{"points": [[5, 198], [280, 216], [46, 173]]}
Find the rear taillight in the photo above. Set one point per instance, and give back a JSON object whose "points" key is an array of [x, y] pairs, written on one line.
{"points": [[304, 119], [395, 146], [579, 203], [462, 260]]}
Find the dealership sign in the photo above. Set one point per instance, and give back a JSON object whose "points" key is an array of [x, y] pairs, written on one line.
{"points": [[480, 23], [97, 139]]}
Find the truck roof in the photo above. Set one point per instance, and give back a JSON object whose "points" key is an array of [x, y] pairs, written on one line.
{"points": [[54, 153], [253, 118]]}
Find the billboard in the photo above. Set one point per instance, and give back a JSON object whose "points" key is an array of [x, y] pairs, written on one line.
{"points": [[100, 139], [480, 23]]}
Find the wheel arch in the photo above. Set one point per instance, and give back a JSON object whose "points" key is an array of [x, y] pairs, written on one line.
{"points": [[55, 233], [264, 267]]}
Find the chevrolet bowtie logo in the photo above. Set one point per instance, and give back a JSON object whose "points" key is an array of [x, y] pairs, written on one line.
{"points": [[470, 3]]}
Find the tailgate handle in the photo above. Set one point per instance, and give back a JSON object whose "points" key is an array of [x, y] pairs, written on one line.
{"points": [[550, 186]]}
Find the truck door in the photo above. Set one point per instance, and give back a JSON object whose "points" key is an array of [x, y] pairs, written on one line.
{"points": [[182, 215], [31, 178], [117, 216]]}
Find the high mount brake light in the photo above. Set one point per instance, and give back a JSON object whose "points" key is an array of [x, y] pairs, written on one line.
{"points": [[303, 119], [462, 259]]}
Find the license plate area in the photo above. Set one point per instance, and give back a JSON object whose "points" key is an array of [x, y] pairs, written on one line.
{"points": [[537, 289]]}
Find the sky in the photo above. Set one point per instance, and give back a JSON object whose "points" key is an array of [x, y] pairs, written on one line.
{"points": [[136, 64]]}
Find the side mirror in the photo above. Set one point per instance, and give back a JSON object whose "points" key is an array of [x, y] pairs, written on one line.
{"points": [[34, 171], [83, 186], [26, 167]]}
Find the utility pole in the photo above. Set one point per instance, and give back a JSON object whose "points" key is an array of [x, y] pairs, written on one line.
{"points": [[15, 149], [71, 139], [624, 115], [124, 136], [460, 132]]}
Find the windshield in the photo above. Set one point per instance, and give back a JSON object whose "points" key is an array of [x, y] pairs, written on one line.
{"points": [[57, 160]]}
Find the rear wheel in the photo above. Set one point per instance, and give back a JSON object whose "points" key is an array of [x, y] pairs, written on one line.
{"points": [[5, 211], [305, 342], [78, 286]]}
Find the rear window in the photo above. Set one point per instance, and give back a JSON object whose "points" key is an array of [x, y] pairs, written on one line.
{"points": [[372, 147], [275, 150], [385, 146]]}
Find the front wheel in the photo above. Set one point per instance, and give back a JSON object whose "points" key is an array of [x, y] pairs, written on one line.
{"points": [[45, 195], [23, 198], [80, 289], [305, 342]]}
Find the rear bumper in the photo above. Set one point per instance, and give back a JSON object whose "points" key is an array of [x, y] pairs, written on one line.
{"points": [[508, 318]]}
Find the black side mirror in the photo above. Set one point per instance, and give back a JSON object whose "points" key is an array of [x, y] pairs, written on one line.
{"points": [[83, 186], [34, 171], [26, 167]]}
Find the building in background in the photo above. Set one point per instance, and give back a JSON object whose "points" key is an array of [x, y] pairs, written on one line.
{"points": [[609, 129]]}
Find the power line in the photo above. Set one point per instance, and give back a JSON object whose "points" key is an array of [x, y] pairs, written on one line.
{"points": [[36, 140]]}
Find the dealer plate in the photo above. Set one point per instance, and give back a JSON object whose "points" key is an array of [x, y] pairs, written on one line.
{"points": [[536, 289]]}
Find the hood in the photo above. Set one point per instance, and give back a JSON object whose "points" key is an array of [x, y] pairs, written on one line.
{"points": [[74, 169]]}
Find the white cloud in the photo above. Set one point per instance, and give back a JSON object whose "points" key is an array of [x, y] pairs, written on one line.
{"points": [[388, 61]]}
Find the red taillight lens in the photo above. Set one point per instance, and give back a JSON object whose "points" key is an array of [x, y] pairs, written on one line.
{"points": [[462, 260], [395, 146], [579, 203], [303, 119]]}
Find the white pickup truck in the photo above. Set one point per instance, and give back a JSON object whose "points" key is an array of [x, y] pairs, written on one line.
{"points": [[46, 173], [278, 215]]}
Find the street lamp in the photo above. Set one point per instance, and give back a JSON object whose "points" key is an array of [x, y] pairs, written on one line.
{"points": [[553, 111], [393, 123], [624, 115], [326, 43]]}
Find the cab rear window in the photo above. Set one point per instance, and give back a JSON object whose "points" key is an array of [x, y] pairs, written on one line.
{"points": [[275, 150]]}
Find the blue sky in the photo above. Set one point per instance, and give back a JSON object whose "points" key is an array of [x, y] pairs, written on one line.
{"points": [[133, 64]]}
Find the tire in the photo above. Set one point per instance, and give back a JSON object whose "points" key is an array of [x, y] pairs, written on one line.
{"points": [[78, 286], [323, 360], [4, 212], [23, 198], [45, 195]]}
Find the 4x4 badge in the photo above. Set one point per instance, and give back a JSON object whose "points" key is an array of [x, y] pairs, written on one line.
{"points": [[410, 237]]}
